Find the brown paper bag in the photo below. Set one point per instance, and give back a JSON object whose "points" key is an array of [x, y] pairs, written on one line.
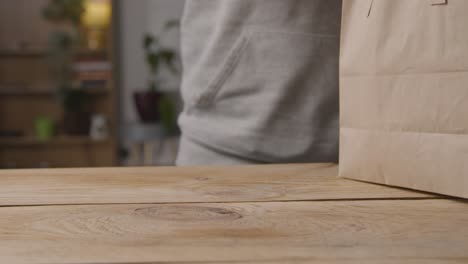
{"points": [[404, 94]]}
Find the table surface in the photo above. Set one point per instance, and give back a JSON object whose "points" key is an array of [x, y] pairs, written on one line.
{"points": [[255, 214]]}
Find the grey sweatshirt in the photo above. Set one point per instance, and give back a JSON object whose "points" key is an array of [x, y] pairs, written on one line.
{"points": [[261, 78]]}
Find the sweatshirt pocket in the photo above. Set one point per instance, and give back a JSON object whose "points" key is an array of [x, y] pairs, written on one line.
{"points": [[259, 61], [206, 97], [278, 91]]}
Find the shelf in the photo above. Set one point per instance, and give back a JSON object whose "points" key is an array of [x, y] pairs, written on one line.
{"points": [[57, 141], [29, 90], [22, 52], [45, 92], [44, 52]]}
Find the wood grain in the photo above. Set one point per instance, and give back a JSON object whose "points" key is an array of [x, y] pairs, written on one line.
{"points": [[309, 260], [411, 231], [182, 185]]}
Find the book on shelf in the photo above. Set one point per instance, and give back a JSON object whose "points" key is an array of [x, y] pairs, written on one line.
{"points": [[92, 73]]}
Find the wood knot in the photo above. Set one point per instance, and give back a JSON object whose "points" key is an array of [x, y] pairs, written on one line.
{"points": [[188, 213]]}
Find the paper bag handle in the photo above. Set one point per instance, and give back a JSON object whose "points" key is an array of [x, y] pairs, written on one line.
{"points": [[439, 2], [433, 2]]}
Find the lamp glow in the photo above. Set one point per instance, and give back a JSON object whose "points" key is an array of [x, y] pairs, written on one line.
{"points": [[96, 19], [97, 14]]}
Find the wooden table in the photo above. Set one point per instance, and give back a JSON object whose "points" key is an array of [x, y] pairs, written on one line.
{"points": [[258, 214]]}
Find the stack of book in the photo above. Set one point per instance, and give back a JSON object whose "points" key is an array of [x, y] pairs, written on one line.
{"points": [[92, 73]]}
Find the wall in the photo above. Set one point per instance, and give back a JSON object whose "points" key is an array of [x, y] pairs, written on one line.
{"points": [[136, 18]]}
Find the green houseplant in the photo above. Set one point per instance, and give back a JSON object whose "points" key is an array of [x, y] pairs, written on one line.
{"points": [[64, 42], [152, 104]]}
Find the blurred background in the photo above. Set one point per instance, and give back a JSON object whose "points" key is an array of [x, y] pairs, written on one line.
{"points": [[89, 83]]}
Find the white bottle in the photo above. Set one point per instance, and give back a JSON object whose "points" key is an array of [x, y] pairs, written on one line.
{"points": [[99, 128]]}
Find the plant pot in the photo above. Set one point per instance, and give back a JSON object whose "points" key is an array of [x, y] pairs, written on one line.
{"points": [[77, 123], [147, 103], [45, 128]]}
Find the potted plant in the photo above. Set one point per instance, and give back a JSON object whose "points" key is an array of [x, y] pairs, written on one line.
{"points": [[62, 49], [152, 105]]}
